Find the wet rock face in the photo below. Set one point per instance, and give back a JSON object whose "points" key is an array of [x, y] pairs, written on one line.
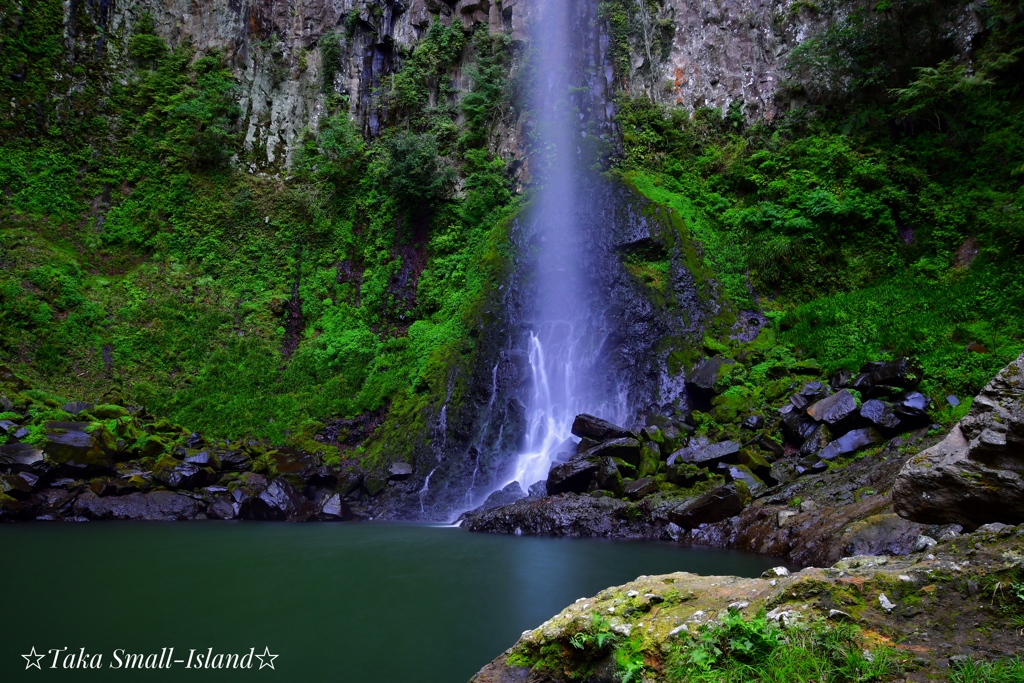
{"points": [[976, 474]]}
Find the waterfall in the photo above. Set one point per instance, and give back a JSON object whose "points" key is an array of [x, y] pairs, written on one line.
{"points": [[567, 332]]}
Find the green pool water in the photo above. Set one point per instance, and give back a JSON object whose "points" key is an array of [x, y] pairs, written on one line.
{"points": [[354, 603]]}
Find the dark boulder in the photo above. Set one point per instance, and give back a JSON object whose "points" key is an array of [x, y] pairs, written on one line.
{"points": [[18, 486], [703, 454], [68, 444], [714, 506], [156, 505], [627, 449], [742, 473], [572, 477], [903, 372], [685, 474], [753, 422], [817, 440], [279, 502], [202, 458], [841, 380], [706, 374], [880, 414], [755, 462], [53, 503], [797, 425], [221, 506], [768, 444], [565, 515], [505, 496], [850, 442], [184, 476], [834, 409], [21, 456], [640, 488], [594, 428], [912, 410], [608, 477], [234, 461]]}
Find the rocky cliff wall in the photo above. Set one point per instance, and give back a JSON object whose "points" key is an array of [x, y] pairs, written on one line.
{"points": [[682, 52], [710, 53], [278, 50]]}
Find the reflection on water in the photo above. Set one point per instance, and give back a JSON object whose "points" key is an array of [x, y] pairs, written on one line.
{"points": [[350, 602]]}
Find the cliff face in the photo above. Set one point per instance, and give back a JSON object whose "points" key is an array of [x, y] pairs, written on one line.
{"points": [[715, 52], [291, 56]]}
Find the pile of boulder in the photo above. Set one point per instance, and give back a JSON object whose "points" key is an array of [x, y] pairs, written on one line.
{"points": [[822, 422], [818, 423], [110, 462], [689, 473]]}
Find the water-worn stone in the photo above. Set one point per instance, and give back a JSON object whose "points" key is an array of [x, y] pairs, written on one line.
{"points": [[976, 474], [594, 428], [713, 506]]}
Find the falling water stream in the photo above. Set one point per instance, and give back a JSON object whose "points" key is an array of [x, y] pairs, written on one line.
{"points": [[567, 333]]}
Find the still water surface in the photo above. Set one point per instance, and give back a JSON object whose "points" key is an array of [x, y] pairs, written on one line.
{"points": [[352, 603]]}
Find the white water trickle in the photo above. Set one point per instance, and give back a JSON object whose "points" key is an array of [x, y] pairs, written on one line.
{"points": [[426, 487], [567, 331]]}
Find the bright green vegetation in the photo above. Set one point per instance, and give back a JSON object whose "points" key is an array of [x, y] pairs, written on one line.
{"points": [[734, 649], [855, 223], [138, 262], [738, 649], [1006, 671]]}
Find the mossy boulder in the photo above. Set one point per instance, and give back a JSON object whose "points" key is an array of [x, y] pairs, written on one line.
{"points": [[109, 411], [68, 443]]}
